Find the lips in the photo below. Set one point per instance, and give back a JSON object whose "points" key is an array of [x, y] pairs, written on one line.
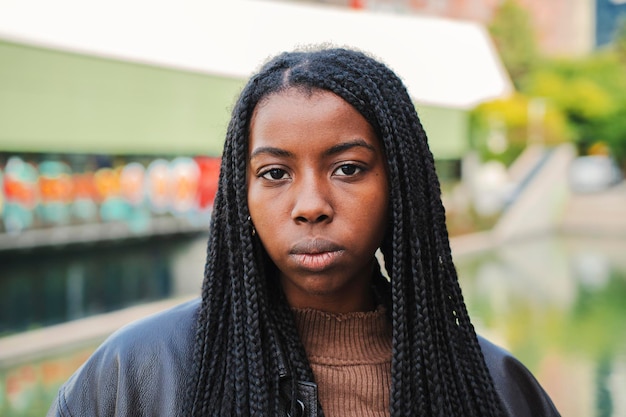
{"points": [[314, 246], [315, 255]]}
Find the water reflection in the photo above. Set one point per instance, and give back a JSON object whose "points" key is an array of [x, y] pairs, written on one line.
{"points": [[28, 389], [558, 305], [67, 285]]}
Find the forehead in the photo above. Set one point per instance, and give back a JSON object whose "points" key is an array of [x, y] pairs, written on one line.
{"points": [[297, 94], [297, 107]]}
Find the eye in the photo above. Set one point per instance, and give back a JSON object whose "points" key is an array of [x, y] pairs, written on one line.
{"points": [[274, 174], [347, 170]]}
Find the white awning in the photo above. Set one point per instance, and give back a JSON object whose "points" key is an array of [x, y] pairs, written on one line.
{"points": [[443, 62]]}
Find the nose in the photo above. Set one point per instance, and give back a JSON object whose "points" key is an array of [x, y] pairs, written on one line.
{"points": [[312, 203]]}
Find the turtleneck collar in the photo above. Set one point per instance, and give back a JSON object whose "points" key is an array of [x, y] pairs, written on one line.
{"points": [[346, 338]]}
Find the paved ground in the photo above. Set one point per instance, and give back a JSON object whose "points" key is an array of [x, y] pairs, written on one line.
{"points": [[596, 213]]}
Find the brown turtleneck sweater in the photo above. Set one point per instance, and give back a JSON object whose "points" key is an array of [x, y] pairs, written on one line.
{"points": [[350, 355]]}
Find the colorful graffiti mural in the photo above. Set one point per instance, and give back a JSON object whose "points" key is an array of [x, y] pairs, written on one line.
{"points": [[49, 193]]}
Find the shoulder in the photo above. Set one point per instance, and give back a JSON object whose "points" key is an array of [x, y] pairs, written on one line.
{"points": [[169, 333], [142, 366], [169, 329], [520, 393]]}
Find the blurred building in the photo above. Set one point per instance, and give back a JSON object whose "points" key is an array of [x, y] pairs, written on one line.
{"points": [[113, 80], [609, 13], [100, 103], [563, 27]]}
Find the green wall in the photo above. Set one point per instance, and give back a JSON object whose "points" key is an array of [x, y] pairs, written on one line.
{"points": [[60, 102], [53, 101], [447, 131]]}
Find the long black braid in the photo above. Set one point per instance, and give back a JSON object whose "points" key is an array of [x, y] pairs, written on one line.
{"points": [[437, 365]]}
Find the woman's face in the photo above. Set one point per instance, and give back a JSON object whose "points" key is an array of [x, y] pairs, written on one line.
{"points": [[318, 197]]}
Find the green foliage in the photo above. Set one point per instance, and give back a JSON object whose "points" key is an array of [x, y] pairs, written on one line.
{"points": [[591, 94], [514, 119], [577, 99], [613, 132], [583, 100], [512, 32], [619, 42]]}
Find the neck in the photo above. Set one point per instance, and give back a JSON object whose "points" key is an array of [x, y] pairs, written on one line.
{"points": [[337, 304], [355, 296]]}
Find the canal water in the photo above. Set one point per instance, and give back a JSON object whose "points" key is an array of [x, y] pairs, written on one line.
{"points": [[557, 303], [47, 287]]}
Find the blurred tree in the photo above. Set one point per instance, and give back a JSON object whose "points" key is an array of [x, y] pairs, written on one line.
{"points": [[619, 42], [503, 128], [582, 99], [512, 31], [614, 134], [591, 93]]}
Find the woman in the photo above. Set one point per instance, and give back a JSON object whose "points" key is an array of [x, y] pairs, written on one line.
{"points": [[325, 162]]}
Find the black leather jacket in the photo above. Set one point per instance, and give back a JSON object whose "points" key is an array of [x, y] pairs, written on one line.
{"points": [[143, 369]]}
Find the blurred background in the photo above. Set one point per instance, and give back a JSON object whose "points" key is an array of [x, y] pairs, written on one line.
{"points": [[112, 118]]}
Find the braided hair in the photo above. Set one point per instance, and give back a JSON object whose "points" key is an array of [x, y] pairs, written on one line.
{"points": [[437, 365]]}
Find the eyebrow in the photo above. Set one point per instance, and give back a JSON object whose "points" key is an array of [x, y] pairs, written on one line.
{"points": [[340, 147], [270, 151]]}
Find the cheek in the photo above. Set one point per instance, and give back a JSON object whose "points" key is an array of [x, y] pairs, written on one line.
{"points": [[379, 196], [266, 211], [374, 210], [382, 217], [257, 200], [383, 202]]}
